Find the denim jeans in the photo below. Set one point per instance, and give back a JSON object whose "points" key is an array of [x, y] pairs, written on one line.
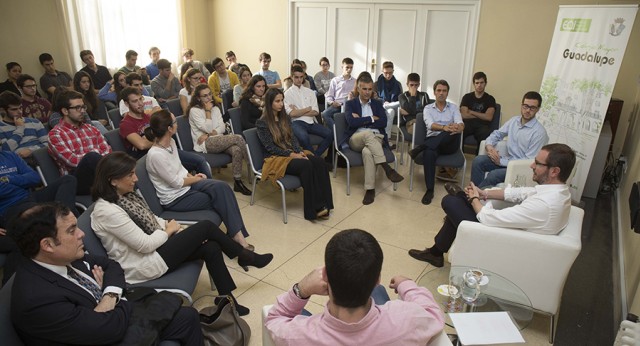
{"points": [[481, 165], [302, 130]]}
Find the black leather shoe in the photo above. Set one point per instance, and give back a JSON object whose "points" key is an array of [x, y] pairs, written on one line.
{"points": [[453, 189], [239, 186], [428, 197], [416, 151], [394, 176], [426, 256], [369, 197]]}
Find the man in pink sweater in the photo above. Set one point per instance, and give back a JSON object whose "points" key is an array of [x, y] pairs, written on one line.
{"points": [[353, 260]]}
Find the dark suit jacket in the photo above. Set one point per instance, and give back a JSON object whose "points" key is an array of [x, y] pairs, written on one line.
{"points": [[353, 124], [47, 309]]}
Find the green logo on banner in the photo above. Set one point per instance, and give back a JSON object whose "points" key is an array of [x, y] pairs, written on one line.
{"points": [[575, 24]]}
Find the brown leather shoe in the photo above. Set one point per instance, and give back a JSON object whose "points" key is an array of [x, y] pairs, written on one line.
{"points": [[369, 197], [394, 176], [453, 189], [426, 256]]}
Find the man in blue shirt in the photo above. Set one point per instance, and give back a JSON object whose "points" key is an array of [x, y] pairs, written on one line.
{"points": [[22, 135], [444, 126], [526, 136], [272, 77], [152, 68]]}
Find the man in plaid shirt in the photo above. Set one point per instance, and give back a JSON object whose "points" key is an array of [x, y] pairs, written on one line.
{"points": [[75, 145]]}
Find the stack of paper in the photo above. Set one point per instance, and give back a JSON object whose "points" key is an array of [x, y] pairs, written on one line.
{"points": [[484, 328]]}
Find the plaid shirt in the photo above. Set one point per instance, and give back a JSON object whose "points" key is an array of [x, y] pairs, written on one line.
{"points": [[68, 144]]}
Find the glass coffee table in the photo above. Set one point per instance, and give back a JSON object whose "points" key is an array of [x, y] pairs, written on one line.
{"points": [[497, 294]]}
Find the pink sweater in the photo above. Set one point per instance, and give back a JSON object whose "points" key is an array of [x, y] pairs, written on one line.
{"points": [[412, 320]]}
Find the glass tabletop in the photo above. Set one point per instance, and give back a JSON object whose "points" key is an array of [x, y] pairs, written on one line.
{"points": [[496, 294]]}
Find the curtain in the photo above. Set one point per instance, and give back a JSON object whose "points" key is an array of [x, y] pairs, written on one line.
{"points": [[109, 28]]}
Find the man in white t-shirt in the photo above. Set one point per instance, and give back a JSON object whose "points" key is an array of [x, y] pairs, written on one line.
{"points": [[302, 106], [150, 104]]}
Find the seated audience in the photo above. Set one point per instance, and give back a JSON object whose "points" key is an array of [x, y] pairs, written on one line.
{"points": [[147, 246], [322, 80], [272, 78], [444, 128], [207, 132], [389, 89], [187, 58], [288, 82], [131, 67], [14, 70], [178, 190], [338, 92], [75, 145], [221, 80], [276, 135], [96, 110], [52, 78], [17, 133], [33, 106], [359, 311], [365, 133], [165, 85], [525, 136], [412, 102], [132, 133], [244, 78], [190, 80], [252, 102], [477, 109], [150, 103], [99, 74], [543, 209], [62, 296], [302, 107], [152, 68], [234, 65]]}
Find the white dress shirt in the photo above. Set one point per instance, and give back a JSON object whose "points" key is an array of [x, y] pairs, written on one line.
{"points": [[301, 97]]}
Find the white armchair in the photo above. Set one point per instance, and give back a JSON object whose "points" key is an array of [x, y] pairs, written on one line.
{"points": [[538, 264], [439, 340]]}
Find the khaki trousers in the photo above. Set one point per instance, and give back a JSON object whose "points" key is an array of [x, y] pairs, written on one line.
{"points": [[370, 145]]}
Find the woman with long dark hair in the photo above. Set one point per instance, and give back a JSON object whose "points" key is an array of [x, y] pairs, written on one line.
{"points": [[252, 101], [276, 135], [83, 84], [207, 132], [178, 190], [147, 246]]}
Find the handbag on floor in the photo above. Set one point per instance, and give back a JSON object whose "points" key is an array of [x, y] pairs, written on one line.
{"points": [[221, 324]]}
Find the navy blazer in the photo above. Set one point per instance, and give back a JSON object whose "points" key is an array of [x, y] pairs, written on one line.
{"points": [[47, 309], [353, 124]]}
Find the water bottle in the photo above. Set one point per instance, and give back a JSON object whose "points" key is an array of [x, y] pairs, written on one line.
{"points": [[470, 287]]}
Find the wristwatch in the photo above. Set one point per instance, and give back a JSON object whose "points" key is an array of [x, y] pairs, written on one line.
{"points": [[296, 291], [113, 295]]}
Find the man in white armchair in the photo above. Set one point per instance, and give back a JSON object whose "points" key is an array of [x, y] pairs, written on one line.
{"points": [[542, 209]]}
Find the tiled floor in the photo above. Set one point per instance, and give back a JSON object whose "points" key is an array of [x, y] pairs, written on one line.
{"points": [[397, 219]]}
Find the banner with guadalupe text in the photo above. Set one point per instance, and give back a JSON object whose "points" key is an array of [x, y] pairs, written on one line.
{"points": [[584, 59]]}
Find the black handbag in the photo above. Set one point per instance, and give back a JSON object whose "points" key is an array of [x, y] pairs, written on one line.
{"points": [[221, 324]]}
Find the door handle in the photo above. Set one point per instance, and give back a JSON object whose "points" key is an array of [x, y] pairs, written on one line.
{"points": [[373, 65]]}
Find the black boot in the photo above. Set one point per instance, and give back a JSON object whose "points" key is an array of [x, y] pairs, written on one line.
{"points": [[249, 258], [238, 186]]}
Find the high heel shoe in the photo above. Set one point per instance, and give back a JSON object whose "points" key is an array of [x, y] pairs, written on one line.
{"points": [[248, 258], [242, 310], [239, 186]]}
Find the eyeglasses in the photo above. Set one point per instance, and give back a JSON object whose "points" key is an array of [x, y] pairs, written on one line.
{"points": [[529, 108], [78, 108], [540, 163], [29, 86]]}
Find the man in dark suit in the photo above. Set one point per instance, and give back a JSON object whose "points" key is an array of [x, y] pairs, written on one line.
{"points": [[62, 296], [365, 133]]}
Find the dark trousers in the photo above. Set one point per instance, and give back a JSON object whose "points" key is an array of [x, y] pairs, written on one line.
{"points": [[194, 162], [442, 144], [184, 328], [314, 176], [85, 172], [457, 209], [477, 128], [302, 131], [205, 241], [215, 195]]}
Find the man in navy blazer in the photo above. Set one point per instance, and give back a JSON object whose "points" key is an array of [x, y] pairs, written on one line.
{"points": [[62, 296], [365, 133]]}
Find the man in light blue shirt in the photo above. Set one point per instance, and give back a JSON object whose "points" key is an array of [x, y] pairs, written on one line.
{"points": [[272, 77], [526, 136], [444, 126]]}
